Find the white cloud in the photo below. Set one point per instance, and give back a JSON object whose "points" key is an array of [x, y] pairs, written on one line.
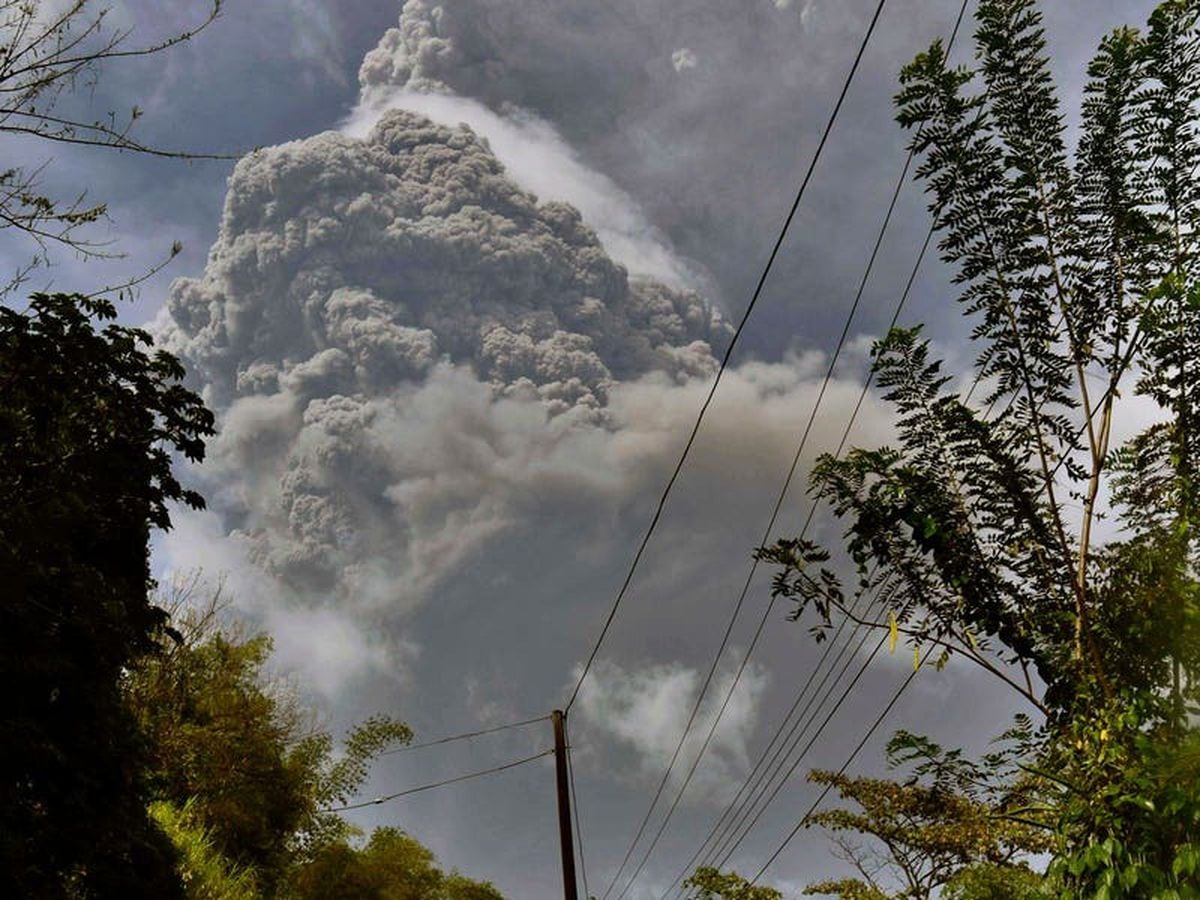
{"points": [[647, 709], [683, 59], [333, 648]]}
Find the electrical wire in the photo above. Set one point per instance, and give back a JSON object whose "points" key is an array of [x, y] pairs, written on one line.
{"points": [[762, 281], [762, 622], [752, 778], [575, 809], [902, 180], [787, 487], [783, 494], [735, 815], [760, 780], [756, 783], [842, 770], [429, 787], [724, 849], [741, 326], [465, 736], [758, 632], [748, 827]]}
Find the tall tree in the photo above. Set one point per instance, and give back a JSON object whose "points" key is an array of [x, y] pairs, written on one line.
{"points": [[978, 531], [89, 419], [945, 827], [711, 884], [235, 759]]}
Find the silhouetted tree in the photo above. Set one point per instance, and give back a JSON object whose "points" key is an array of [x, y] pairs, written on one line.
{"points": [[978, 529], [89, 419]]}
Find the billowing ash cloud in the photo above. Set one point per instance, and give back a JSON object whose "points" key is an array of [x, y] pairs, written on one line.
{"points": [[706, 154], [375, 258], [404, 346]]}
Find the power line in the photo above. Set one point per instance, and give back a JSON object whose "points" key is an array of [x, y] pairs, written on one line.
{"points": [[760, 779], [762, 281], [429, 787], [841, 771], [862, 626], [796, 732], [751, 778], [749, 826], [786, 490], [712, 392], [762, 622], [465, 736], [783, 494], [575, 808], [795, 765], [808, 521], [787, 485]]}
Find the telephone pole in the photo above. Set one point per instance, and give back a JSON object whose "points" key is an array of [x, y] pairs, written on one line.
{"points": [[570, 891]]}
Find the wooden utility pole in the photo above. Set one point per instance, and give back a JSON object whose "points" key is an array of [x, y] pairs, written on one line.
{"points": [[570, 891]]}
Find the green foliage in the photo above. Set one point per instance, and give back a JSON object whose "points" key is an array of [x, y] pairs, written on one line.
{"points": [[335, 781], [218, 743], [1066, 274], [1127, 808], [950, 818], [845, 889], [206, 873], [992, 882], [89, 419], [1079, 276], [391, 866], [240, 753], [712, 884]]}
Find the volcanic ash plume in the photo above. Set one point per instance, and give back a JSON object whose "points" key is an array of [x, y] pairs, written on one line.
{"points": [[403, 347]]}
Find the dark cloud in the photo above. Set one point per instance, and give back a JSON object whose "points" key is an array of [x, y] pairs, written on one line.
{"points": [[444, 414], [714, 157], [378, 321]]}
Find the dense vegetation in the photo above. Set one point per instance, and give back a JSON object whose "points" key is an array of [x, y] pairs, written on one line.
{"points": [[145, 753], [242, 777], [88, 418], [979, 534]]}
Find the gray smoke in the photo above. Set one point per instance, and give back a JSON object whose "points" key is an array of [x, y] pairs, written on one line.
{"points": [[708, 154], [361, 291]]}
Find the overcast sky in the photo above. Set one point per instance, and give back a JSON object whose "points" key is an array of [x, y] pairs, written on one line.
{"points": [[446, 412]]}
